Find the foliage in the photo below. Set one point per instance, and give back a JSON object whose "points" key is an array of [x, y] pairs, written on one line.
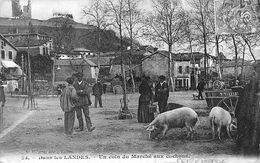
{"points": [[39, 64]]}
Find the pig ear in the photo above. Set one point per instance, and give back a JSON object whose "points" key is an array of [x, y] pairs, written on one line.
{"points": [[150, 128], [146, 126]]}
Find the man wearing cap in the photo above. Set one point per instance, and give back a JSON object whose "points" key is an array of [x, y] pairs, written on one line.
{"points": [[162, 93], [83, 103], [97, 92]]}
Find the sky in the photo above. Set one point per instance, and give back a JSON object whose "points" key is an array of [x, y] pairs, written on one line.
{"points": [[43, 9]]}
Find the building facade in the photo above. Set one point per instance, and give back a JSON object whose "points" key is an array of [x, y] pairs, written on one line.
{"points": [[38, 43], [9, 69]]}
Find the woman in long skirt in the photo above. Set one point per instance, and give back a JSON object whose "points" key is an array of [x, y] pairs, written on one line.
{"points": [[145, 99]]}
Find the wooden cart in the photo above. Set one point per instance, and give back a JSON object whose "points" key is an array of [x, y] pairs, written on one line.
{"points": [[226, 99]]}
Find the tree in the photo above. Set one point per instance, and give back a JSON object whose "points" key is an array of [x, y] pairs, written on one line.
{"points": [[97, 15], [116, 8], [63, 34], [203, 13], [164, 25], [132, 22]]}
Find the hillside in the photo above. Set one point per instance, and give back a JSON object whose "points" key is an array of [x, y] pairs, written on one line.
{"points": [[83, 36], [52, 22]]}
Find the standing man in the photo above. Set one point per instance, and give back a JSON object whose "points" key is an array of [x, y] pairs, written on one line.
{"points": [[162, 93], [97, 92], [83, 102], [68, 100], [2, 100], [200, 88]]}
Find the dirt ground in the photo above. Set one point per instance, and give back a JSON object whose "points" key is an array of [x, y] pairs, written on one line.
{"points": [[42, 133]]}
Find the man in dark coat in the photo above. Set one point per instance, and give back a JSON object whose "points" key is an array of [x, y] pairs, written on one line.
{"points": [[162, 94], [2, 100], [200, 88], [83, 103], [97, 92]]}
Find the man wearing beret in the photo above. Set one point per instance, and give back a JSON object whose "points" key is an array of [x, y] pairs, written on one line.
{"points": [[83, 103]]}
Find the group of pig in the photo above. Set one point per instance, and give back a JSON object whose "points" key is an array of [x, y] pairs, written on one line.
{"points": [[187, 117]]}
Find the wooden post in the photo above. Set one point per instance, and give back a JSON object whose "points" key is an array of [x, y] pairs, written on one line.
{"points": [[1, 118]]}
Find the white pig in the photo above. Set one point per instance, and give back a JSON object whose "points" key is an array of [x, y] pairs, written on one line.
{"points": [[177, 118], [220, 117]]}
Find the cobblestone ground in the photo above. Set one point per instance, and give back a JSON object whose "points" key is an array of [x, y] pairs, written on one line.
{"points": [[42, 133]]}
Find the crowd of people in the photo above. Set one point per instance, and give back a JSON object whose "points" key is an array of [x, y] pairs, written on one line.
{"points": [[75, 99]]}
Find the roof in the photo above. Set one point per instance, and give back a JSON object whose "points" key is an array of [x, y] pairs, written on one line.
{"points": [[25, 34], [232, 63], [80, 50], [9, 64], [103, 61], [32, 42], [9, 43], [189, 56], [180, 56], [136, 57], [160, 52], [66, 62]]}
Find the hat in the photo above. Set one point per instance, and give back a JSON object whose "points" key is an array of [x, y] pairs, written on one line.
{"points": [[162, 77], [79, 74], [70, 80]]}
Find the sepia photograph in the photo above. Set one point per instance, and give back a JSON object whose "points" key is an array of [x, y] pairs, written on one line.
{"points": [[163, 81]]}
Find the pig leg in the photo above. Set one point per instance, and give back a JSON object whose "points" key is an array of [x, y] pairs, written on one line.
{"points": [[165, 129], [213, 128], [219, 131], [228, 131], [190, 132]]}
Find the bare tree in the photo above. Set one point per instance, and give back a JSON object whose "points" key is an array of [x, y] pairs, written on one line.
{"points": [[63, 34], [164, 25], [116, 8], [203, 11], [97, 15], [132, 23]]}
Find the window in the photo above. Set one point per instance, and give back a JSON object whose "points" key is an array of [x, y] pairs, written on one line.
{"points": [[3, 54], [180, 69], [46, 51], [187, 69], [10, 55], [2, 44], [43, 51]]}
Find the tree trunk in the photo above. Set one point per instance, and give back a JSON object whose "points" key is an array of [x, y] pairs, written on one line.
{"points": [[236, 53], [219, 58], [170, 66], [1, 118]]}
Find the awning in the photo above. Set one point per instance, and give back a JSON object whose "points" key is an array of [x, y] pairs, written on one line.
{"points": [[9, 64]]}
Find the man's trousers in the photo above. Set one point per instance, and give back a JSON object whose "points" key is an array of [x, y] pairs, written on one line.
{"points": [[85, 110], [98, 100]]}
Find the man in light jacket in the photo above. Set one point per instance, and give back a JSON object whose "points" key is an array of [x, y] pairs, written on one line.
{"points": [[68, 100]]}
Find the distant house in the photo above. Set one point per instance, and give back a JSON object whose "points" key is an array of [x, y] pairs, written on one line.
{"points": [[155, 64], [186, 70], [131, 61], [38, 43], [8, 67], [71, 63]]}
